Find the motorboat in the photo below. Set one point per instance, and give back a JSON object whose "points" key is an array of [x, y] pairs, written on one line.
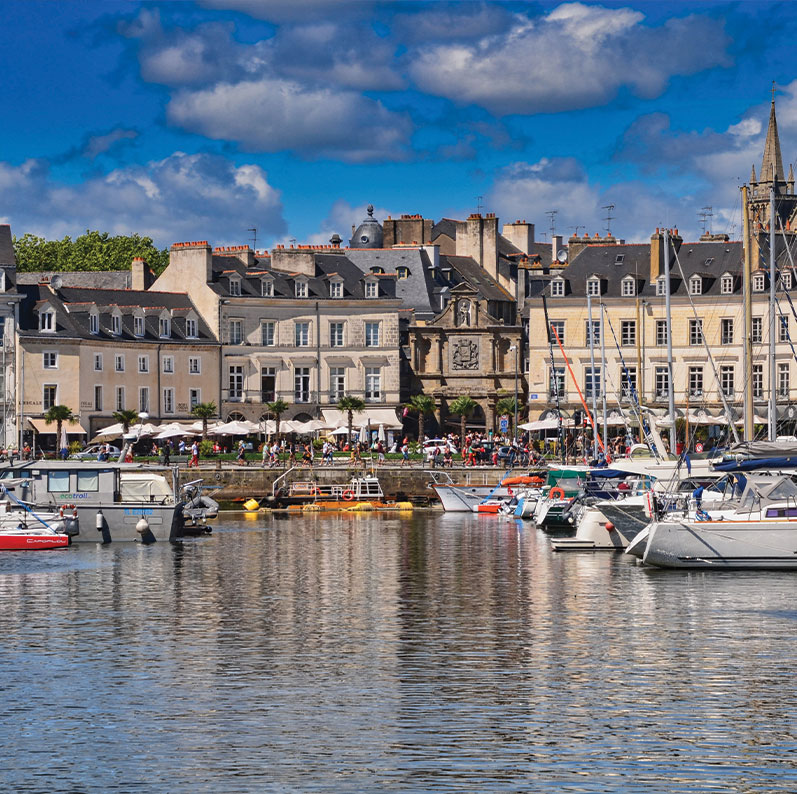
{"points": [[22, 529], [32, 538], [358, 493], [466, 497]]}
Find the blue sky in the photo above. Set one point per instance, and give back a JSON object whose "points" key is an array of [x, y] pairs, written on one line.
{"points": [[200, 120]]}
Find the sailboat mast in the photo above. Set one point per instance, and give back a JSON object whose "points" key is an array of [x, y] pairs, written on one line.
{"points": [[603, 376], [747, 297], [592, 371], [772, 364], [670, 383]]}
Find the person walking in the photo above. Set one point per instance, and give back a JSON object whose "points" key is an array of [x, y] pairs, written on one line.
{"points": [[405, 453], [194, 455]]}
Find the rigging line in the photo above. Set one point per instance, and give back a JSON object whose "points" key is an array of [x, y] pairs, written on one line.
{"points": [[561, 433], [708, 352], [635, 406]]}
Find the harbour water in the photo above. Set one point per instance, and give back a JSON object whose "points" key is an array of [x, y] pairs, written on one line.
{"points": [[371, 653]]}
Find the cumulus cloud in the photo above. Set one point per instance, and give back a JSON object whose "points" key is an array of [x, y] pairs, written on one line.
{"points": [[577, 56], [271, 115], [183, 196]]}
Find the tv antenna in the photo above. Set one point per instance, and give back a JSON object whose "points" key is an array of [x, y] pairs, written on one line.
{"points": [[552, 214], [254, 238], [575, 230], [609, 218], [704, 214], [479, 204]]}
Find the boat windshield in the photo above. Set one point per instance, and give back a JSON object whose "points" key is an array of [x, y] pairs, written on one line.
{"points": [[771, 490]]}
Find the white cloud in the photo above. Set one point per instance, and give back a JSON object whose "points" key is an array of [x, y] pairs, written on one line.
{"points": [[342, 216], [182, 197], [272, 115], [577, 56]]}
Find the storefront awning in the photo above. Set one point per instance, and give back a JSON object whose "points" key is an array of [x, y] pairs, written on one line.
{"points": [[40, 426], [373, 416]]}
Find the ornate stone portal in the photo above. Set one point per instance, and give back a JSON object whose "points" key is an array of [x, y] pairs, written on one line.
{"points": [[464, 354]]}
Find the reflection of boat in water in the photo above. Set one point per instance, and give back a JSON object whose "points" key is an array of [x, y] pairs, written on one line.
{"points": [[112, 501]]}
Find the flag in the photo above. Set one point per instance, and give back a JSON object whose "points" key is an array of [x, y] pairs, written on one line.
{"points": [[406, 412]]}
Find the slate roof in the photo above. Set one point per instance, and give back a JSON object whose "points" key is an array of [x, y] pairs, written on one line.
{"points": [[448, 227], [101, 279], [6, 246], [73, 306], [469, 271]]}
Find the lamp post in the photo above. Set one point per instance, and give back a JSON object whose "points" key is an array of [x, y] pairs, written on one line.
{"points": [[515, 348]]}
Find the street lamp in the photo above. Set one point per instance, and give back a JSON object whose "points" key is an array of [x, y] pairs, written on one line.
{"points": [[515, 348]]}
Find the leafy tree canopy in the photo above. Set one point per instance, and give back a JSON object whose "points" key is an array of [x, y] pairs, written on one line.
{"points": [[91, 251]]}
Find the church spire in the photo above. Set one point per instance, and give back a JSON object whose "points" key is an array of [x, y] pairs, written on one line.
{"points": [[772, 156], [752, 175]]}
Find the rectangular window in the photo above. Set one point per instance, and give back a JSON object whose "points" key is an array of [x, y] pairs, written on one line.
{"points": [[783, 329], [726, 380], [138, 326], [336, 334], [661, 333], [628, 382], [49, 395], [757, 332], [98, 398], [301, 384], [236, 332], [629, 288], [236, 382], [88, 480], [336, 289], [596, 333], [120, 398], [593, 286], [267, 288], [143, 364], [759, 282], [194, 398], [235, 287], [758, 380], [301, 289], [168, 401], [557, 288], [783, 380], [373, 384], [301, 332], [662, 383], [726, 285], [592, 382], [661, 286], [556, 380], [50, 360], [372, 334], [191, 328], [194, 365], [168, 365], [58, 481], [267, 338], [559, 327], [94, 324], [119, 363], [695, 332], [116, 324], [370, 289], [98, 362], [785, 279], [726, 331], [164, 327], [628, 333], [695, 381], [337, 383], [268, 384], [143, 399], [696, 285]]}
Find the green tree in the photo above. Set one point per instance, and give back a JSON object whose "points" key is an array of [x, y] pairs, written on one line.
{"points": [[463, 406], [126, 417], [90, 251], [278, 408], [506, 405], [204, 411], [423, 405], [351, 405], [58, 414]]}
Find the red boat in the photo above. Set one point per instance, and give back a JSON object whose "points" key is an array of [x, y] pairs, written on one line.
{"points": [[23, 540]]}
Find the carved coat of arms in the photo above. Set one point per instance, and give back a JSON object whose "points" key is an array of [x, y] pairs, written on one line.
{"points": [[465, 354]]}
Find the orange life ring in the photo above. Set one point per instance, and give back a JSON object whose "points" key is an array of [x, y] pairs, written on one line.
{"points": [[348, 495], [63, 508], [556, 493], [315, 491]]}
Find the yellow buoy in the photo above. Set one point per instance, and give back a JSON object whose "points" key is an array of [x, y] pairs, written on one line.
{"points": [[251, 505]]}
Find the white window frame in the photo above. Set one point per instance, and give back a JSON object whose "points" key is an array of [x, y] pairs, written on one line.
{"points": [[785, 279], [236, 331], [119, 362], [337, 374], [52, 388], [47, 322], [301, 333], [168, 400], [661, 286], [557, 287], [695, 285], [98, 395], [235, 376], [266, 288], [336, 289], [119, 393], [335, 339], [94, 323], [757, 330], [373, 384], [299, 393], [628, 289], [167, 365], [194, 365], [235, 287], [300, 288], [695, 380], [727, 379], [143, 399], [784, 379], [628, 333], [98, 362], [143, 364], [116, 324], [560, 331], [759, 282], [369, 329], [50, 356], [268, 333], [194, 397], [661, 333], [696, 331], [164, 327], [593, 286], [727, 331], [726, 285], [139, 326], [371, 289], [191, 328]]}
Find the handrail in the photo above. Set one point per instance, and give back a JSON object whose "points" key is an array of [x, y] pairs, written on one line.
{"points": [[282, 476]]}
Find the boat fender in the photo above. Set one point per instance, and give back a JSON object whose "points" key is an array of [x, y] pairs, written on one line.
{"points": [[142, 527], [608, 526], [348, 495], [102, 527], [556, 493], [702, 515]]}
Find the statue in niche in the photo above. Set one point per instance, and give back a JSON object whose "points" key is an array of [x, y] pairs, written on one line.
{"points": [[465, 354], [463, 312]]}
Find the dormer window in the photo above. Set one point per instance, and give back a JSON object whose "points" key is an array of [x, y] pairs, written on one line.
{"points": [[335, 289], [759, 282], [593, 286], [557, 288], [164, 327], [235, 287], [661, 286], [619, 259], [371, 289], [785, 279], [696, 285], [402, 272], [267, 288], [628, 289], [47, 320], [116, 324], [2, 280], [138, 326], [378, 270], [94, 323], [191, 328], [300, 289], [726, 284]]}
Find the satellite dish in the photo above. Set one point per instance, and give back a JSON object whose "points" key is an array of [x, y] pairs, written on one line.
{"points": [[56, 282], [562, 255]]}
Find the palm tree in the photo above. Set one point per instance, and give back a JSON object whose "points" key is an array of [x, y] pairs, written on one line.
{"points": [[126, 418], [464, 406], [423, 405], [204, 411], [351, 405], [278, 408], [506, 405], [58, 414]]}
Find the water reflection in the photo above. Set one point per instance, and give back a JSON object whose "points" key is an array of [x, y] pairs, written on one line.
{"points": [[361, 652]]}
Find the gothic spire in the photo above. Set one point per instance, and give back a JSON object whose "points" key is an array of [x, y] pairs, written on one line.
{"points": [[752, 175], [772, 156]]}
